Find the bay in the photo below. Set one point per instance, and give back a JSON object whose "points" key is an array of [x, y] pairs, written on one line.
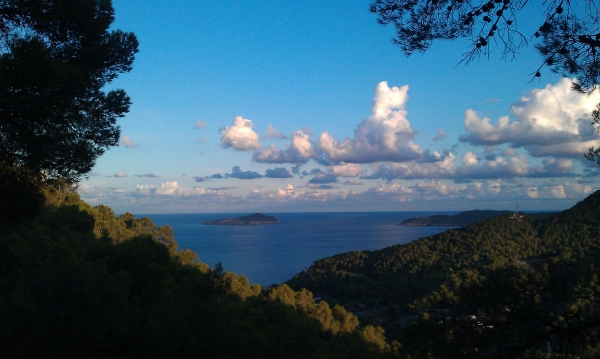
{"points": [[272, 254]]}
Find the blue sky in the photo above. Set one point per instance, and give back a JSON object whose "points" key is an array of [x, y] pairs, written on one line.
{"points": [[248, 106]]}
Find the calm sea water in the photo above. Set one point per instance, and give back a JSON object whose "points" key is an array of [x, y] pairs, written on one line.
{"points": [[272, 254]]}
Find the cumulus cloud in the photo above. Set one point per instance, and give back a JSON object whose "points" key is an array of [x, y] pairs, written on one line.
{"points": [[125, 141], [240, 136], [393, 191], [553, 121], [272, 132], [470, 159], [239, 174], [345, 170], [278, 172], [441, 135], [199, 179], [299, 151], [498, 168], [200, 125], [146, 175], [434, 188], [120, 174], [385, 136], [442, 168], [473, 169], [553, 168]]}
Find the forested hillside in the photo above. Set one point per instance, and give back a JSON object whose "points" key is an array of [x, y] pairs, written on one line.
{"points": [[76, 281], [497, 288]]}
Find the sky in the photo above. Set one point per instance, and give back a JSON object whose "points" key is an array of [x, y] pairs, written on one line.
{"points": [[307, 106]]}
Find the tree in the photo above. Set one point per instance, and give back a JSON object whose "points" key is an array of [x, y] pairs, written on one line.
{"points": [[56, 58], [569, 34]]}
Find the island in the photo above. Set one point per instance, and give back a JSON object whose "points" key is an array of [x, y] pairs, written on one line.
{"points": [[250, 220]]}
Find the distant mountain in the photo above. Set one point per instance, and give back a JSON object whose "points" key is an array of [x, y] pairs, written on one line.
{"points": [[463, 218], [250, 220]]}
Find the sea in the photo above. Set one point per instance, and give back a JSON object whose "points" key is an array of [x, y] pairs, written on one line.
{"points": [[273, 253]]}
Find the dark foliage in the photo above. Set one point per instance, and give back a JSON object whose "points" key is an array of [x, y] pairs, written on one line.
{"points": [[55, 59], [76, 281]]}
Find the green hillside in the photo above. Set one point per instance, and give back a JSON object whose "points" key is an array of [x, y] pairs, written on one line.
{"points": [[496, 288], [78, 282]]}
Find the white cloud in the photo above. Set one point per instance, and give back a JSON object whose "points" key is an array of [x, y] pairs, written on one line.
{"points": [[200, 125], [442, 168], [169, 189], [287, 191], [385, 136], [345, 170], [300, 150], [125, 141], [391, 188], [120, 174], [553, 121], [551, 191], [498, 168], [240, 136], [470, 159]]}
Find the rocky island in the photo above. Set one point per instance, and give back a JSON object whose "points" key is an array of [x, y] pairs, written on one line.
{"points": [[250, 220]]}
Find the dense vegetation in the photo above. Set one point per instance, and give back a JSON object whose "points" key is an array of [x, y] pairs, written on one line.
{"points": [[497, 288], [76, 281]]}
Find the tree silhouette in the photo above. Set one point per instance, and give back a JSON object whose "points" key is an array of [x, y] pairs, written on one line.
{"points": [[569, 34], [56, 57]]}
